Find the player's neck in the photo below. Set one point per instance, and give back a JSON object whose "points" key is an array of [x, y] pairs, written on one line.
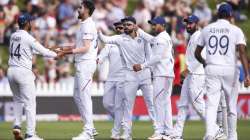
{"points": [[133, 34]]}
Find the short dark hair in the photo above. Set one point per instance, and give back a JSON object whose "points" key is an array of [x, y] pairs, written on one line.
{"points": [[90, 5], [129, 18], [117, 23]]}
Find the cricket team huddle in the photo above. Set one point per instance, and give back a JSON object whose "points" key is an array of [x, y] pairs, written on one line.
{"points": [[139, 61]]}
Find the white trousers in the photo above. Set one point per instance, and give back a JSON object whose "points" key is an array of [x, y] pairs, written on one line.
{"points": [[162, 90], [130, 90], [192, 92], [23, 88], [214, 85], [113, 102], [82, 92]]}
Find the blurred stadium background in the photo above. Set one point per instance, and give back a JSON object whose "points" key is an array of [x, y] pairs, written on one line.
{"points": [[56, 22]]}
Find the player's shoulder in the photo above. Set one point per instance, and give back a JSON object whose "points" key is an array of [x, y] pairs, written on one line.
{"points": [[235, 28]]}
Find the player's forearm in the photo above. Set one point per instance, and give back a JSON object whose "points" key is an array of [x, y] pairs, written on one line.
{"points": [[145, 35], [243, 58], [106, 39], [43, 51], [199, 57], [153, 61]]}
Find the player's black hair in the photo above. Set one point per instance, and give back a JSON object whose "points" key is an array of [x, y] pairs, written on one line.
{"points": [[129, 18], [117, 23], [223, 15], [90, 5]]}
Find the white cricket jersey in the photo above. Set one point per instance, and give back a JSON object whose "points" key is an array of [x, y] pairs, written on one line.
{"points": [[86, 31], [193, 65], [220, 39], [112, 53], [161, 61], [133, 51], [22, 47]]}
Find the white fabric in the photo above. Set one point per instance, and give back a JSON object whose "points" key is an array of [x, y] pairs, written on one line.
{"points": [[193, 65], [133, 51], [220, 39], [130, 89], [162, 90], [192, 92], [23, 90], [161, 61], [82, 92], [112, 53], [22, 47], [113, 102], [87, 31]]}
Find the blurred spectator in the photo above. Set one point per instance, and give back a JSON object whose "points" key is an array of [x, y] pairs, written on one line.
{"points": [[154, 6], [238, 16], [45, 27], [203, 12], [11, 11], [2, 24], [50, 71], [4, 2], [66, 14], [3, 78], [114, 13], [121, 3], [99, 16], [65, 77], [142, 15], [38, 77]]}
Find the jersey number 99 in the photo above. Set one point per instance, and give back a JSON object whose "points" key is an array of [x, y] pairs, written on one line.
{"points": [[214, 42]]}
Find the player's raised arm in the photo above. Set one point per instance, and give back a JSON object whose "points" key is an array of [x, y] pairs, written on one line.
{"points": [[145, 36], [108, 39]]}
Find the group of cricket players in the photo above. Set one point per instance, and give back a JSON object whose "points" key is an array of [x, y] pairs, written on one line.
{"points": [[138, 60]]}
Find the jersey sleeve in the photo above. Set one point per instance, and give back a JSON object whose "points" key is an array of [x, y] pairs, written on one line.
{"points": [[87, 32], [240, 38], [104, 53], [160, 53], [145, 35], [201, 39], [40, 49], [109, 39]]}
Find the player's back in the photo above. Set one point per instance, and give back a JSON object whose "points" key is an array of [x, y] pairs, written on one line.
{"points": [[20, 49], [220, 39]]}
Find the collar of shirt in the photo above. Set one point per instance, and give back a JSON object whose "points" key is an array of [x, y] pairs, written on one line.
{"points": [[22, 31], [86, 20], [223, 21]]}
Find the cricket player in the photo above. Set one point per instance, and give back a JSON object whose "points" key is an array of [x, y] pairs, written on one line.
{"points": [[85, 54], [162, 63], [21, 50], [134, 50], [113, 97], [193, 86], [221, 40]]}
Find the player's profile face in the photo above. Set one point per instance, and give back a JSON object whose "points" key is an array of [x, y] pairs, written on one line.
{"points": [[119, 29], [191, 27], [80, 10]]}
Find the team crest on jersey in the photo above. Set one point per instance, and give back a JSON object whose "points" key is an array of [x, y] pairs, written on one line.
{"points": [[139, 41]]}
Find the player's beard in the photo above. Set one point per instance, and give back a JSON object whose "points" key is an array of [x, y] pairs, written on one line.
{"points": [[191, 30], [128, 32]]}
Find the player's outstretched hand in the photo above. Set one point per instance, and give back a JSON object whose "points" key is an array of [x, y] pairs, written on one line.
{"points": [[247, 81], [60, 54], [137, 67]]}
